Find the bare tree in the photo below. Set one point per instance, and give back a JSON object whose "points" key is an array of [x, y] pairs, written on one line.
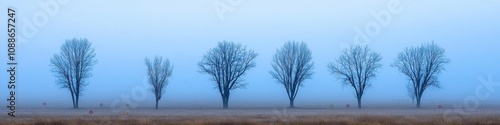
{"points": [[292, 65], [226, 63], [422, 66], [357, 67], [73, 65], [158, 72]]}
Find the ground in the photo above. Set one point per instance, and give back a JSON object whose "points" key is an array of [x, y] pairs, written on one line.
{"points": [[253, 116]]}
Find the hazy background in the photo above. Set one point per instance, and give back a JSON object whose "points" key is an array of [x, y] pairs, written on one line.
{"points": [[125, 32]]}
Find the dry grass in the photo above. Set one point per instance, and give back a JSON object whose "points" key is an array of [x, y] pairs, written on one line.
{"points": [[257, 119]]}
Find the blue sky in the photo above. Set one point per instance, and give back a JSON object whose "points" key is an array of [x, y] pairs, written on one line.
{"points": [[124, 33]]}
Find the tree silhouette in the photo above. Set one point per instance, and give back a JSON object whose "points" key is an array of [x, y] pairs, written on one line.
{"points": [[291, 66], [422, 66], [158, 72], [72, 66], [226, 64], [357, 67]]}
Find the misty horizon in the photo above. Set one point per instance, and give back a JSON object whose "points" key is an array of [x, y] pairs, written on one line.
{"points": [[125, 35]]}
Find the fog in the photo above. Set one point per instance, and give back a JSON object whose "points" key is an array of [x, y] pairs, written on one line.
{"points": [[124, 33]]}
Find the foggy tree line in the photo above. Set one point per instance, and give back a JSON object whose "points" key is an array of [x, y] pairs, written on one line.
{"points": [[292, 64]]}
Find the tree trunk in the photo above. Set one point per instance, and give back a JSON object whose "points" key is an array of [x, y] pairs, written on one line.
{"points": [[77, 91], [418, 97], [359, 103], [225, 105], [291, 103], [156, 107], [73, 98], [418, 102], [76, 101], [225, 100], [76, 104]]}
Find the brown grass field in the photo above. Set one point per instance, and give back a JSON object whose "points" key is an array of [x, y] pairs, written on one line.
{"points": [[251, 117]]}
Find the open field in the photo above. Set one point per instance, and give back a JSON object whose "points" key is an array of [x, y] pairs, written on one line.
{"points": [[250, 116]]}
